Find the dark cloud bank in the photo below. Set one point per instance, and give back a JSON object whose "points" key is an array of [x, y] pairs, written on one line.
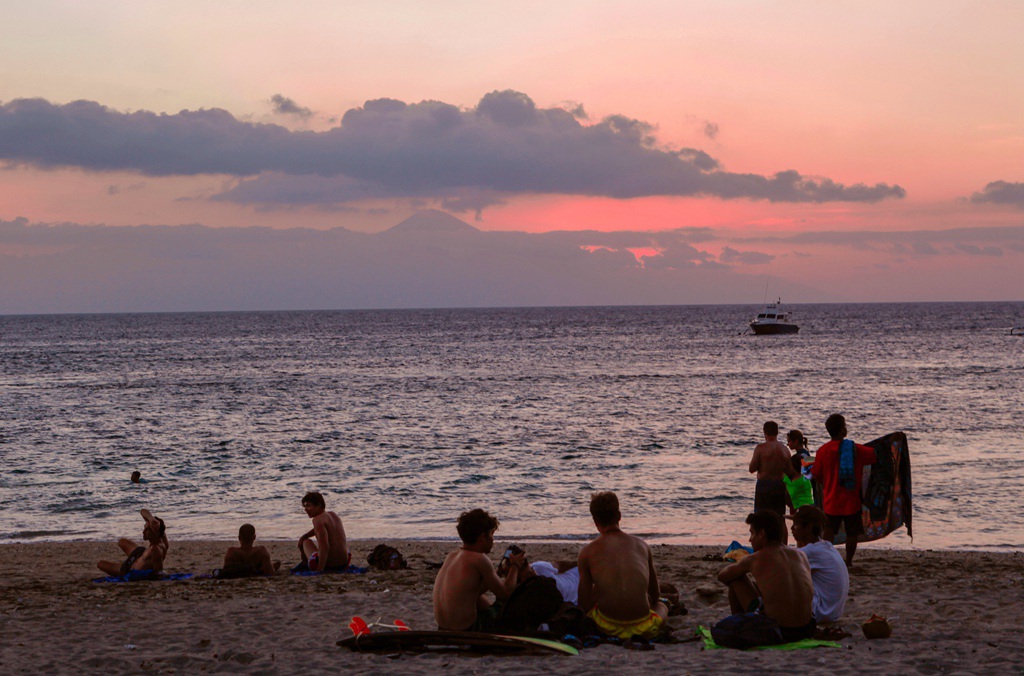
{"points": [[436, 260], [387, 148], [431, 260]]}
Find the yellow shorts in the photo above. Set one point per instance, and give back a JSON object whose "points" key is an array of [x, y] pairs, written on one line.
{"points": [[645, 627]]}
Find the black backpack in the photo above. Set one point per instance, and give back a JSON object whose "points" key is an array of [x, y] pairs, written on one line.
{"points": [[531, 604], [384, 557]]}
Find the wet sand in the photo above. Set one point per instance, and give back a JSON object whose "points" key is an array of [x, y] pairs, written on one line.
{"points": [[952, 612]]}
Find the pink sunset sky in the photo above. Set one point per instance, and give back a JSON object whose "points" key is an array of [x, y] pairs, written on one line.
{"points": [[683, 152]]}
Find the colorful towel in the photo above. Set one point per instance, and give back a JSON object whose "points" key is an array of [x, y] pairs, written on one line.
{"points": [[887, 503], [709, 643], [847, 455], [144, 576]]}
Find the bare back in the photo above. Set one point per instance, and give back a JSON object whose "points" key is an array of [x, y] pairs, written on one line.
{"points": [[251, 559], [328, 529], [783, 577], [617, 575], [458, 587], [771, 461]]}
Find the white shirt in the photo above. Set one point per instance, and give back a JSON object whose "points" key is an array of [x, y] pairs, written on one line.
{"points": [[568, 583], [831, 580]]}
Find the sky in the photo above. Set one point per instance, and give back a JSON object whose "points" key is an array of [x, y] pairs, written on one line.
{"points": [[160, 156]]}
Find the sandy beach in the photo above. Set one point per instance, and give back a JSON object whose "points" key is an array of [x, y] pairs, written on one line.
{"points": [[952, 612]]}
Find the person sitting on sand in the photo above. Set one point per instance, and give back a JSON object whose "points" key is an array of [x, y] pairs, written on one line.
{"points": [[467, 574], [142, 561], [839, 468], [246, 560], [774, 581], [828, 572], [618, 584], [566, 575], [324, 547], [771, 461]]}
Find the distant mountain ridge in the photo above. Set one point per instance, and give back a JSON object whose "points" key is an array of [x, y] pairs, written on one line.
{"points": [[432, 221]]}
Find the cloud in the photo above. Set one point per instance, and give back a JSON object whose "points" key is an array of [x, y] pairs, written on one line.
{"points": [[730, 255], [286, 106], [1001, 192], [431, 260], [991, 241], [974, 250], [505, 145], [711, 130], [117, 188]]}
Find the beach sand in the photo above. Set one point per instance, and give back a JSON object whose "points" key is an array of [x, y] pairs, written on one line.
{"points": [[951, 612]]}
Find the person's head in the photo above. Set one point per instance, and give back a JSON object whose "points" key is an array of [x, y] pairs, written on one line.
{"points": [[808, 523], [313, 503], [476, 524], [604, 508], [796, 441], [797, 462], [836, 426], [766, 528], [136, 476], [771, 429], [247, 534]]}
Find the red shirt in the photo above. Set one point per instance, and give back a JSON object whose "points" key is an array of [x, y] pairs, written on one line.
{"points": [[836, 500]]}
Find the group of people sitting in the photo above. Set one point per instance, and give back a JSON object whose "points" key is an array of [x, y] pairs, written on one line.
{"points": [[613, 580], [324, 548]]}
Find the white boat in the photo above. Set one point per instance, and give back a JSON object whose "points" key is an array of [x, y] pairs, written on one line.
{"points": [[773, 320], [1017, 331]]}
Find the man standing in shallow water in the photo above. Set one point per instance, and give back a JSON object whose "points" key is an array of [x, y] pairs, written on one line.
{"points": [[618, 584], [839, 468], [771, 461], [467, 574], [324, 547]]}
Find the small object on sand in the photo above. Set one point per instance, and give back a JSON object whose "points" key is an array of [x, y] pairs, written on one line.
{"points": [[708, 592], [877, 627]]}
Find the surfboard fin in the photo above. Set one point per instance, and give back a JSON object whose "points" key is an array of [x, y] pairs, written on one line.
{"points": [[358, 626]]}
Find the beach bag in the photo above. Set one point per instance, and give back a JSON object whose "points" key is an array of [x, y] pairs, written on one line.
{"points": [[746, 631], [530, 605], [384, 557]]}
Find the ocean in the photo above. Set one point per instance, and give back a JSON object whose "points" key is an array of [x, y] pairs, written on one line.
{"points": [[403, 419]]}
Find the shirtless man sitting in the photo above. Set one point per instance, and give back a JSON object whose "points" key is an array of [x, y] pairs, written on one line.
{"points": [[774, 581], [246, 559], [324, 547], [142, 561], [771, 462], [618, 585], [467, 574]]}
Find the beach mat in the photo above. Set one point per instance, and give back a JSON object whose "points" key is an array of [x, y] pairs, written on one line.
{"points": [[461, 642], [709, 643], [351, 570], [887, 503], [149, 577]]}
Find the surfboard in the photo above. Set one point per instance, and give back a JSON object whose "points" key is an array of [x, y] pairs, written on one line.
{"points": [[465, 642]]}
